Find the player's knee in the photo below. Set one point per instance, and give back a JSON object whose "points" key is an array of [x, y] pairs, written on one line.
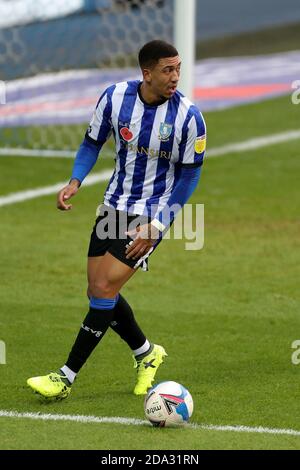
{"points": [[102, 289]]}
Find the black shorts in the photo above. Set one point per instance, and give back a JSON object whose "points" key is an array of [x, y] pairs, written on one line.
{"points": [[108, 235]]}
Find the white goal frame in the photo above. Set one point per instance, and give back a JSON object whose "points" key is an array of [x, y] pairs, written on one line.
{"points": [[185, 42]]}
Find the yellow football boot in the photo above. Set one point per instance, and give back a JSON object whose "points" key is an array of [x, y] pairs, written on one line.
{"points": [[147, 368], [52, 385]]}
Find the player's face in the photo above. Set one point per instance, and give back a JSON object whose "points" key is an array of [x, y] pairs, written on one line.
{"points": [[163, 78]]}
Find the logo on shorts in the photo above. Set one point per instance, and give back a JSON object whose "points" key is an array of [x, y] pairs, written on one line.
{"points": [[165, 130]]}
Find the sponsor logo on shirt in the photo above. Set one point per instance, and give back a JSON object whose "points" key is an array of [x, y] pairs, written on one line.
{"points": [[149, 152]]}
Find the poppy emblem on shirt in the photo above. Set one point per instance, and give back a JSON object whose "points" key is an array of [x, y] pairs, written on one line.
{"points": [[126, 134], [165, 130]]}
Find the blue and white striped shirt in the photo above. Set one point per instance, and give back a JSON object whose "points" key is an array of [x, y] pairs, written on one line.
{"points": [[152, 144]]}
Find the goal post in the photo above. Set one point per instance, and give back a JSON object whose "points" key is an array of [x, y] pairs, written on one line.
{"points": [[185, 42]]}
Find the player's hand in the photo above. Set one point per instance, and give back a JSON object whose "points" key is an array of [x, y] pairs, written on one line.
{"points": [[144, 237], [65, 194]]}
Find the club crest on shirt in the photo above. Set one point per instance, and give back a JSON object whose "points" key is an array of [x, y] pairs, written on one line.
{"points": [[165, 130]]}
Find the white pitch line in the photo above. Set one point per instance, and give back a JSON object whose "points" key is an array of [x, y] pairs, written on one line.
{"points": [[251, 144], [255, 143], [139, 422], [47, 190], [90, 180], [23, 152], [40, 153], [246, 429], [76, 418]]}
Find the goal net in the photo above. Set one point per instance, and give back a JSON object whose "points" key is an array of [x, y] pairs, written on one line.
{"points": [[57, 57]]}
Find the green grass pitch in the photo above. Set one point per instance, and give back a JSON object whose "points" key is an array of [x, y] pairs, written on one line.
{"points": [[227, 315]]}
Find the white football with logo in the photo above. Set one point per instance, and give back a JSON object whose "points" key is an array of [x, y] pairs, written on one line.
{"points": [[168, 404]]}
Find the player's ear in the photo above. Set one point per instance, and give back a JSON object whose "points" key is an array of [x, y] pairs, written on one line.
{"points": [[147, 75]]}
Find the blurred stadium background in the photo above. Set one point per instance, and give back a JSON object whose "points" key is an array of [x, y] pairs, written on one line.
{"points": [[57, 57], [231, 343]]}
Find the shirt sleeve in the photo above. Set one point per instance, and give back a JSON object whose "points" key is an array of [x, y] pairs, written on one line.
{"points": [[193, 143], [85, 160], [183, 190], [100, 127], [97, 134]]}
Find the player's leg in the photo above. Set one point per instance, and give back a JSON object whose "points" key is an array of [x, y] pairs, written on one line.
{"points": [[124, 323], [111, 275], [107, 273], [147, 356], [106, 277]]}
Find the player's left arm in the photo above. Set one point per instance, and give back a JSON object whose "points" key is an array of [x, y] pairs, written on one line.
{"points": [[191, 156], [192, 150]]}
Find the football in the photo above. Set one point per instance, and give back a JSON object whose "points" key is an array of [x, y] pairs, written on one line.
{"points": [[168, 404]]}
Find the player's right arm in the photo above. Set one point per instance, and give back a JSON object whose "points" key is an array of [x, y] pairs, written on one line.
{"points": [[66, 193], [97, 134]]}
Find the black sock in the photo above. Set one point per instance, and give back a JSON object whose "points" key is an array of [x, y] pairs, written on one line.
{"points": [[91, 332], [125, 325]]}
